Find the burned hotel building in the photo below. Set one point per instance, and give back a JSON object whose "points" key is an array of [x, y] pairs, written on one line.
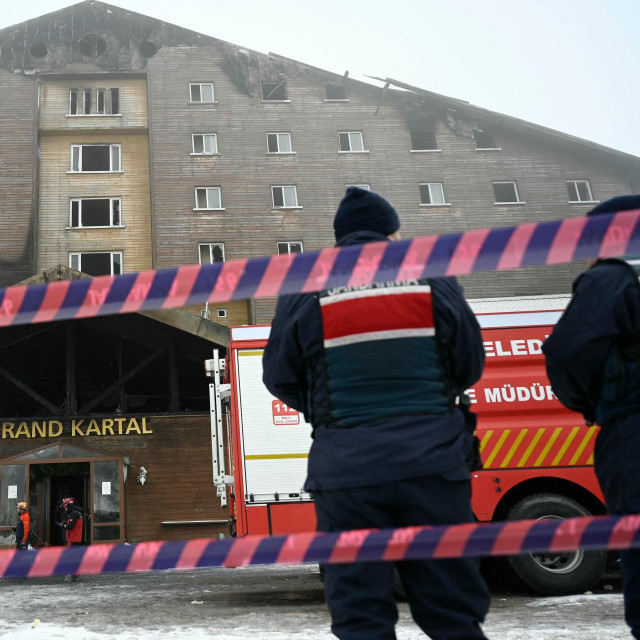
{"points": [[127, 143]]}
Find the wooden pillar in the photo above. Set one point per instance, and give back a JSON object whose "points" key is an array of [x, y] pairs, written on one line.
{"points": [[174, 393], [71, 404]]}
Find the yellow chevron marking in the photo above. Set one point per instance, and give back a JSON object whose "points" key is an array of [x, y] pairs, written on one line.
{"points": [[485, 439], [496, 449], [552, 439], [583, 445], [514, 448], [277, 456], [565, 446], [590, 460], [531, 447], [251, 353]]}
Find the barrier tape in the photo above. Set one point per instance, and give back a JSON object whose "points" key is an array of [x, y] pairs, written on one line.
{"points": [[366, 545], [454, 254]]}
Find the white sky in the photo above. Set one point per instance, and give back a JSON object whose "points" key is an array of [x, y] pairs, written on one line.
{"points": [[571, 65]]}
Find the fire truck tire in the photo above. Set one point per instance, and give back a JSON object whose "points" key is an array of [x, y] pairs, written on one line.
{"points": [[555, 574]]}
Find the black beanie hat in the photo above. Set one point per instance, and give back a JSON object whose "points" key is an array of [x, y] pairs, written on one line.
{"points": [[364, 210], [619, 203]]}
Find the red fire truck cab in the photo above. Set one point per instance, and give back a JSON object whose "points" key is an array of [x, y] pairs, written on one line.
{"points": [[537, 455]]}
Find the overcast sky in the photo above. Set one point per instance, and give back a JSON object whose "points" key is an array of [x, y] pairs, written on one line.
{"points": [[571, 65]]}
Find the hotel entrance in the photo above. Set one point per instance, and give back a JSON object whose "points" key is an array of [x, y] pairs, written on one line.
{"points": [[45, 476]]}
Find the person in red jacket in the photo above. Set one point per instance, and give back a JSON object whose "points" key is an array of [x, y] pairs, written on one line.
{"points": [[73, 521], [23, 528]]}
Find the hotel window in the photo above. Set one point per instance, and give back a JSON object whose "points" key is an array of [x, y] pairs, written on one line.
{"points": [[423, 140], [336, 91], [289, 247], [91, 158], [201, 92], [506, 193], [94, 212], [579, 191], [484, 140], [351, 141], [274, 91], [208, 198], [81, 102], [432, 193], [205, 144], [210, 253], [284, 197], [279, 143], [108, 263]]}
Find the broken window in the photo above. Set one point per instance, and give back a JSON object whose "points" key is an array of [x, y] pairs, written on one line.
{"points": [[73, 102], [484, 140], [95, 212], [108, 263], [284, 197], [205, 143], [505, 192], [274, 90], [423, 140], [336, 91], [115, 101], [208, 198], [351, 141], [100, 101], [289, 247], [81, 103], [87, 101], [211, 253], [201, 91], [279, 143], [432, 193], [579, 191], [95, 157]]}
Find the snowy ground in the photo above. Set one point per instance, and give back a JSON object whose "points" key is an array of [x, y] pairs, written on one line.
{"points": [[257, 603]]}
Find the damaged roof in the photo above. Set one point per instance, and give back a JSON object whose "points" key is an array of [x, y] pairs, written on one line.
{"points": [[177, 318], [94, 36]]}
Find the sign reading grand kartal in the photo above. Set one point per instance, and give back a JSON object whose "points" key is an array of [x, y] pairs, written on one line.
{"points": [[75, 428]]}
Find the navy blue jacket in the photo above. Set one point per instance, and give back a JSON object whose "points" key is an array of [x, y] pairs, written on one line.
{"points": [[592, 355], [408, 435]]}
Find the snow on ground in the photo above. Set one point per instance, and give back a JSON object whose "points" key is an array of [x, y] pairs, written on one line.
{"points": [[257, 603]]}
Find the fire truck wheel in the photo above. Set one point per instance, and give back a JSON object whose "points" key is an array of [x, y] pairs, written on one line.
{"points": [[553, 574]]}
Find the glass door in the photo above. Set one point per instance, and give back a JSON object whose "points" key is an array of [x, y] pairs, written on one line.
{"points": [[13, 489], [107, 519]]}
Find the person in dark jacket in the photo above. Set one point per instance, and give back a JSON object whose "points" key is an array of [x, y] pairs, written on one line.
{"points": [[593, 362], [376, 370], [23, 527]]}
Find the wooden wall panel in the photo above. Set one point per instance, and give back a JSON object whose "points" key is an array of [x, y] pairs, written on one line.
{"points": [[57, 187], [250, 227], [54, 104], [18, 170]]}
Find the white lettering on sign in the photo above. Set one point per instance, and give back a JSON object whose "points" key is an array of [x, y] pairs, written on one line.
{"points": [[284, 414], [12, 491], [500, 348], [472, 396], [509, 393]]}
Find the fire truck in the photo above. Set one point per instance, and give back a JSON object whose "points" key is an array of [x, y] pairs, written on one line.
{"points": [[537, 455]]}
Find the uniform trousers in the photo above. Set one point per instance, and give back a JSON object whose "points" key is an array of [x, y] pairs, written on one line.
{"points": [[448, 598], [617, 465]]}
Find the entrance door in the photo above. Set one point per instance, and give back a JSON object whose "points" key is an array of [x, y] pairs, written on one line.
{"points": [[107, 521]]}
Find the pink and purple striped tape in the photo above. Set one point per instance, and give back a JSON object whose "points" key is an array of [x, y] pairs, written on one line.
{"points": [[369, 545], [528, 244]]}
